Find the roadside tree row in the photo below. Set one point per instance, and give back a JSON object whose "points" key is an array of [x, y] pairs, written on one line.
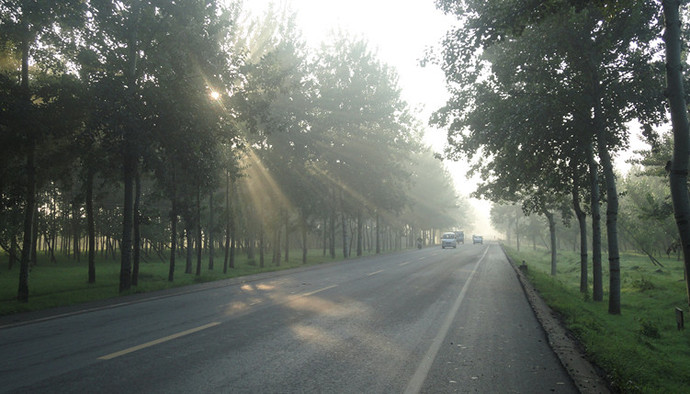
{"points": [[170, 128], [542, 96]]}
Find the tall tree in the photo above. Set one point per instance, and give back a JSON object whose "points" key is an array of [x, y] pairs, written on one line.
{"points": [[23, 25], [678, 171], [604, 98]]}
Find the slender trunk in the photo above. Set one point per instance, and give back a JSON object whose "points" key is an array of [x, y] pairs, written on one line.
{"points": [[91, 225], [136, 244], [304, 242], [517, 227], [198, 231], [344, 230], [325, 238], [274, 251], [173, 237], [611, 208], [227, 222], [675, 94], [261, 244], [210, 231], [597, 269], [359, 233], [233, 233], [23, 290], [34, 238], [190, 248], [378, 234], [582, 221], [127, 223], [332, 233], [612, 234], [552, 233], [287, 237], [129, 155], [173, 227], [75, 229]]}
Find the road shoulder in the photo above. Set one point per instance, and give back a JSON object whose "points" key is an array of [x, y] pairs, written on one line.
{"points": [[583, 373]]}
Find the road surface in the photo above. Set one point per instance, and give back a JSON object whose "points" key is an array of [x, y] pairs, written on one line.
{"points": [[430, 321]]}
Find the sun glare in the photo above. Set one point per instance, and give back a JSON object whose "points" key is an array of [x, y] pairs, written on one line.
{"points": [[215, 95]]}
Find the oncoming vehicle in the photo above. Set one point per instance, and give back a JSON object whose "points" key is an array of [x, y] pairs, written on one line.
{"points": [[448, 240], [460, 237], [477, 239]]}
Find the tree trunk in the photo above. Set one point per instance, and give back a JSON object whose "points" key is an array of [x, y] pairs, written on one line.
{"points": [[552, 233], [275, 255], [127, 223], [304, 242], [233, 233], [91, 225], [198, 231], [344, 229], [75, 229], [378, 234], [332, 233], [287, 237], [173, 227], [597, 270], [359, 233], [611, 208], [582, 221], [678, 176], [136, 243], [517, 228], [612, 234], [325, 238], [261, 244], [227, 221], [173, 236], [190, 248], [34, 237], [210, 231], [23, 290]]}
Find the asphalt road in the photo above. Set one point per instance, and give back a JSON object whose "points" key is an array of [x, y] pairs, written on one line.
{"points": [[431, 320]]}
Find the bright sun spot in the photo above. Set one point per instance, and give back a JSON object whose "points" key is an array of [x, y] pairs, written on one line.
{"points": [[215, 95]]}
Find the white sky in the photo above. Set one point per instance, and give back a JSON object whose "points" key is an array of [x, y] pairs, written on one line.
{"points": [[400, 32]]}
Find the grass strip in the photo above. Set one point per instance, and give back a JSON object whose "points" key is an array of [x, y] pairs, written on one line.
{"points": [[641, 350], [66, 282]]}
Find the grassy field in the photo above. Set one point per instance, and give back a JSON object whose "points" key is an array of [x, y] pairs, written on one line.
{"points": [[66, 282], [641, 350]]}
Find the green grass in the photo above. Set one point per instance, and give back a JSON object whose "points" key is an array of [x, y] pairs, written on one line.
{"points": [[66, 282], [640, 350]]}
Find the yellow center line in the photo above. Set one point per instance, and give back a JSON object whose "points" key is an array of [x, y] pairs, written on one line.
{"points": [[157, 341], [318, 291], [374, 273]]}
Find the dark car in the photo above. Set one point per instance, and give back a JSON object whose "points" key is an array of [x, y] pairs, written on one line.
{"points": [[477, 239]]}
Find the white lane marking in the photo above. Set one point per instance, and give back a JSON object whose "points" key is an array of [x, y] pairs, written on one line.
{"points": [[318, 291], [404, 263], [157, 341], [415, 384], [374, 273]]}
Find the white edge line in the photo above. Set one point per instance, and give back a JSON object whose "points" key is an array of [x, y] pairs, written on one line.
{"points": [[415, 384]]}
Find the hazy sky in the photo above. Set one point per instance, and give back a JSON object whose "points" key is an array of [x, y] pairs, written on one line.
{"points": [[400, 32]]}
